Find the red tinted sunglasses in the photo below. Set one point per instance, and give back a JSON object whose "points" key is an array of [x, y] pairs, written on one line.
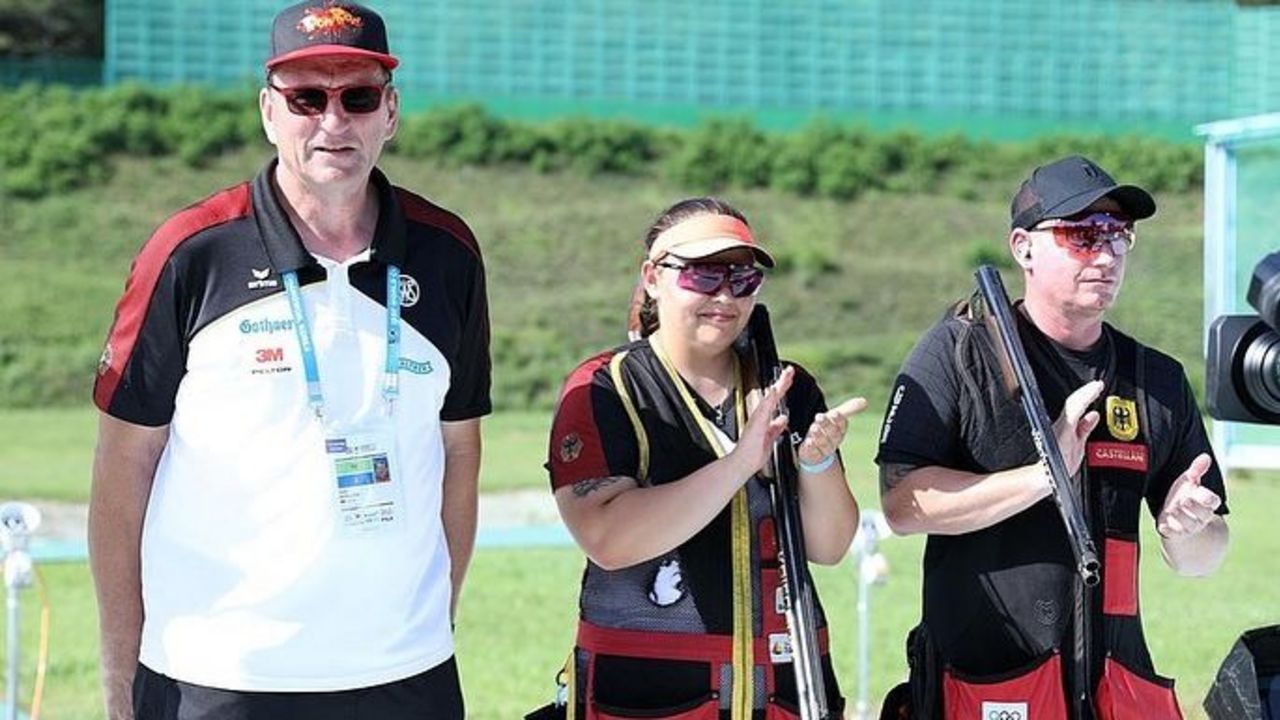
{"points": [[313, 100], [708, 278], [1087, 236]]}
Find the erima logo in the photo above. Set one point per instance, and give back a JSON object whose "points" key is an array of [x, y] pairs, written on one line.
{"points": [[260, 279]]}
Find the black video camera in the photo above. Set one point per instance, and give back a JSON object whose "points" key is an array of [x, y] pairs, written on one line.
{"points": [[1243, 361]]}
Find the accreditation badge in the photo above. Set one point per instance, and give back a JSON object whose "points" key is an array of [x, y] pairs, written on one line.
{"points": [[364, 472]]}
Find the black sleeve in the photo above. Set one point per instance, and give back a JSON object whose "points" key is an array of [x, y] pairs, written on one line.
{"points": [[1188, 439], [144, 359], [468, 395], [591, 434], [921, 425]]}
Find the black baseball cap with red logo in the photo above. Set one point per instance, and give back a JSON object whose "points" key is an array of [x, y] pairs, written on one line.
{"points": [[326, 28]]}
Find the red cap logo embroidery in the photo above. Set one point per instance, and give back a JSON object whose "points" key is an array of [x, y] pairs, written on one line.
{"points": [[570, 447], [329, 21]]}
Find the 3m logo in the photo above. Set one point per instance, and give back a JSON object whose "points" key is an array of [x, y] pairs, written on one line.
{"points": [[270, 355]]}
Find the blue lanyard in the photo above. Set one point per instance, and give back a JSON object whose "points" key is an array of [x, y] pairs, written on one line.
{"points": [[391, 371]]}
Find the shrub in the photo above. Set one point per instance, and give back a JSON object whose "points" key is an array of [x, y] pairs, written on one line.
{"points": [[461, 134], [723, 152], [986, 252], [603, 146], [39, 375], [795, 168], [57, 139]]}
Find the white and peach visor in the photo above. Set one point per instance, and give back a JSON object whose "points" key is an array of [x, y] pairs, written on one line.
{"points": [[706, 235]]}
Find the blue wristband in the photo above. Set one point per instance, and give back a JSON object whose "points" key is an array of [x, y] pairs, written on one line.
{"points": [[819, 466]]}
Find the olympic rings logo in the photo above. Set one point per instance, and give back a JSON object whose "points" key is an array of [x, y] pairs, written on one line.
{"points": [[1004, 715]]}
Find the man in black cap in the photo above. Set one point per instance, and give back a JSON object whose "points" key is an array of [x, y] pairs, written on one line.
{"points": [[957, 462], [291, 396]]}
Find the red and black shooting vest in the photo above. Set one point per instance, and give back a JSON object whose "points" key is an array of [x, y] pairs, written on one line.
{"points": [[997, 641], [698, 633]]}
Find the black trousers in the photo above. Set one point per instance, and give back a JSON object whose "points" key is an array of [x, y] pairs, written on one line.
{"points": [[431, 695]]}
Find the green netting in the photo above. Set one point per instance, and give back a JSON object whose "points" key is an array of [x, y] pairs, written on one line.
{"points": [[1257, 62], [60, 70], [1137, 60]]}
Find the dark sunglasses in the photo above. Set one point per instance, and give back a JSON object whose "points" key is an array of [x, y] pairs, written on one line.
{"points": [[708, 278], [312, 100], [1087, 236]]}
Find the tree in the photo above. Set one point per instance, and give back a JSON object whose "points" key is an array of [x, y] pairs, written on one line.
{"points": [[71, 28]]}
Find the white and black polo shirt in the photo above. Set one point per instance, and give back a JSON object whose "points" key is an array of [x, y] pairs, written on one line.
{"points": [[246, 582]]}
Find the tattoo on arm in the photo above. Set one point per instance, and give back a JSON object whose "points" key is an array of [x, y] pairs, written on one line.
{"points": [[583, 488], [892, 474]]}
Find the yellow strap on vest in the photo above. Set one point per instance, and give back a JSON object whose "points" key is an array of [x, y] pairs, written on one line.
{"points": [[570, 679], [742, 699], [642, 439]]}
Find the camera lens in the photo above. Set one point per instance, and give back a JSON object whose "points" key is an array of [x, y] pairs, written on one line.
{"points": [[1261, 370]]}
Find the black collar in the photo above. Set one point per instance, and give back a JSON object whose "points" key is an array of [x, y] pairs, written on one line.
{"points": [[284, 247], [1066, 363]]}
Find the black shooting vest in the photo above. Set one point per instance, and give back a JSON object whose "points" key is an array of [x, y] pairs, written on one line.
{"points": [[998, 603], [637, 639]]}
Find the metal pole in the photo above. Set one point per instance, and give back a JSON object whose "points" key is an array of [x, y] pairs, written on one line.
{"points": [[17, 521], [14, 646], [872, 569], [864, 641]]}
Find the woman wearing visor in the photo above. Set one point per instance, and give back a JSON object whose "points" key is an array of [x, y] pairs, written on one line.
{"points": [[654, 459]]}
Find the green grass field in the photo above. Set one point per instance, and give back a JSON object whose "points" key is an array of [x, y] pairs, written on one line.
{"points": [[518, 609]]}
